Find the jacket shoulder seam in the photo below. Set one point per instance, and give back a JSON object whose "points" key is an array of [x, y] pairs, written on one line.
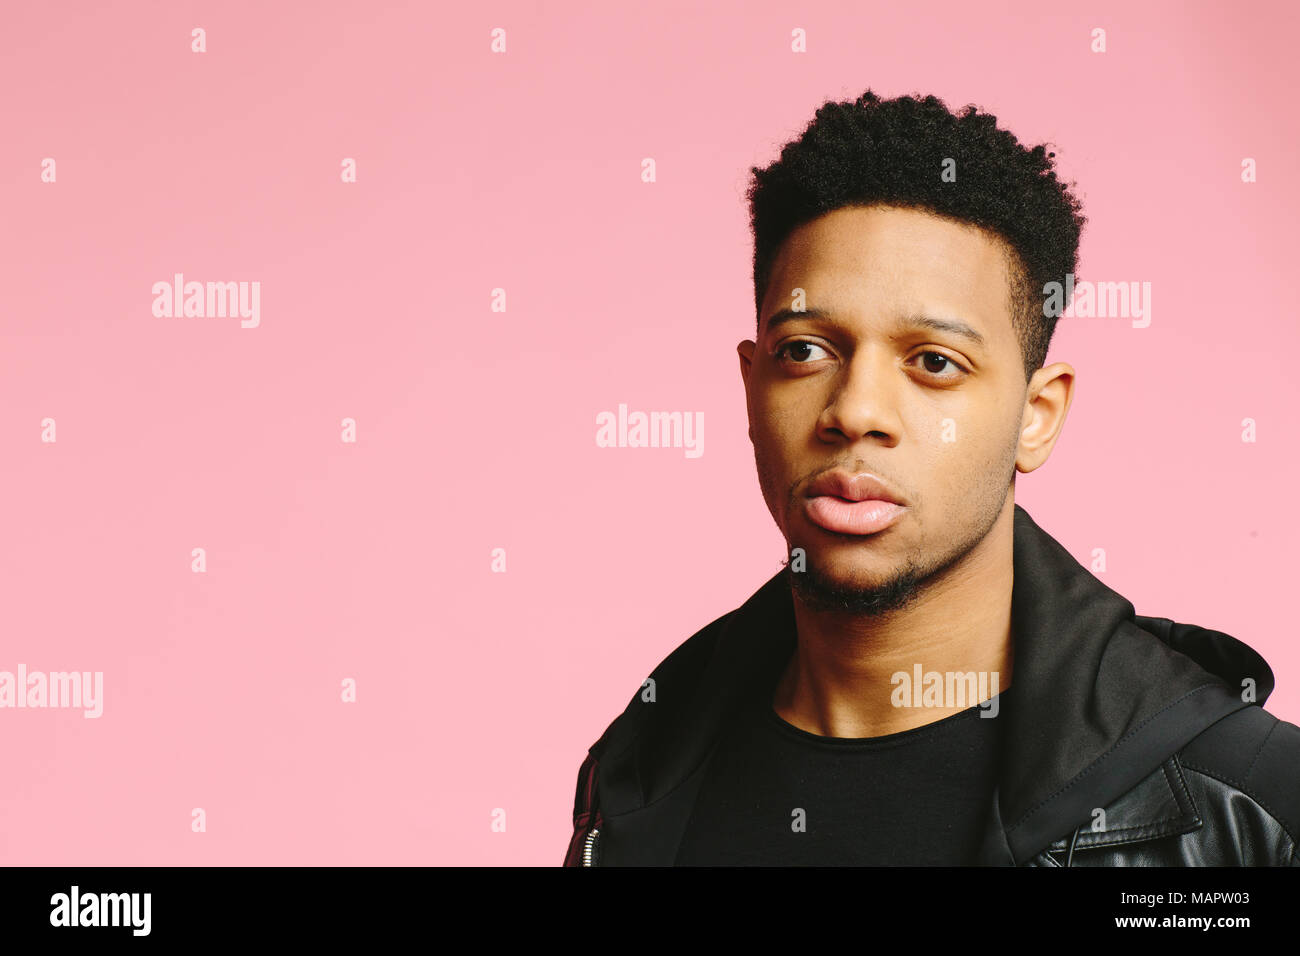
{"points": [[1240, 788], [1260, 749]]}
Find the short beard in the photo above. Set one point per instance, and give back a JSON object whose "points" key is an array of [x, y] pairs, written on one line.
{"points": [[821, 593]]}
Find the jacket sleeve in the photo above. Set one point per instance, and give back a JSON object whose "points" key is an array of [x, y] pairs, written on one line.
{"points": [[586, 816]]}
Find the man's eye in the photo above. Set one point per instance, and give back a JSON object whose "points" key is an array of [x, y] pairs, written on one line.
{"points": [[929, 360], [798, 352]]}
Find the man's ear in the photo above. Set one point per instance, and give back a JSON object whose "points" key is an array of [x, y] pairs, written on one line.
{"points": [[746, 352], [1050, 393]]}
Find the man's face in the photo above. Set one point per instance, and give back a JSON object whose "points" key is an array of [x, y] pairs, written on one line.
{"points": [[852, 382]]}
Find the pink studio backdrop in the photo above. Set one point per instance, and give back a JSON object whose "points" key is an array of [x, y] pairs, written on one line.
{"points": [[475, 428]]}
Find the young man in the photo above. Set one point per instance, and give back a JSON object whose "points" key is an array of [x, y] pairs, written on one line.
{"points": [[931, 678]]}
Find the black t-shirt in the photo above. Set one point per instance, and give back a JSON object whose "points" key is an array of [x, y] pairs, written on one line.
{"points": [[916, 798]]}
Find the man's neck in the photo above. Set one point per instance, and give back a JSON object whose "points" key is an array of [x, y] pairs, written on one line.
{"points": [[840, 681]]}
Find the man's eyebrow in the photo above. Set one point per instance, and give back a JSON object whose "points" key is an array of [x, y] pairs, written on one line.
{"points": [[954, 326], [791, 315], [915, 321]]}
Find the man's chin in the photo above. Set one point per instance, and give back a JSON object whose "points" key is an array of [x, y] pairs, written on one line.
{"points": [[861, 593]]}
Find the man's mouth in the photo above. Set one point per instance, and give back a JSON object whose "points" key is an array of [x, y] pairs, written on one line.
{"points": [[843, 516], [848, 503]]}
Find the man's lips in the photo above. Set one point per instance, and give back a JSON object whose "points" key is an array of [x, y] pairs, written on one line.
{"points": [[852, 517], [852, 503]]}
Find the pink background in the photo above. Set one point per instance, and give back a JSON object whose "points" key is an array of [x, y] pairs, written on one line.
{"points": [[476, 429]]}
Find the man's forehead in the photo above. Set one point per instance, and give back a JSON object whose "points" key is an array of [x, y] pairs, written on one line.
{"points": [[916, 263], [866, 237]]}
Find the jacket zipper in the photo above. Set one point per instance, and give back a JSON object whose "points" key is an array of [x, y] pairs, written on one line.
{"points": [[589, 848]]}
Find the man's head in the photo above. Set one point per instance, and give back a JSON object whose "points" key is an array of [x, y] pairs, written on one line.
{"points": [[900, 254]]}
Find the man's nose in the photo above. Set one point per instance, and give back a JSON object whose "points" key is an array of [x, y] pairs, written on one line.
{"points": [[865, 399]]}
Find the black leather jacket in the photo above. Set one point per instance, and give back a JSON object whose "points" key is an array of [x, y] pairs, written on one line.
{"points": [[1130, 740]]}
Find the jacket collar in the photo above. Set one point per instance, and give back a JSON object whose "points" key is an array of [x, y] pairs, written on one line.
{"points": [[1100, 700]]}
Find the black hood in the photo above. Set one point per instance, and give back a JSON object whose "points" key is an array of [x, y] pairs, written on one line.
{"points": [[1099, 699]]}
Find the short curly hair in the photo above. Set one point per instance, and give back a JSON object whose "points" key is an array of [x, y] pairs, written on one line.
{"points": [[893, 152]]}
